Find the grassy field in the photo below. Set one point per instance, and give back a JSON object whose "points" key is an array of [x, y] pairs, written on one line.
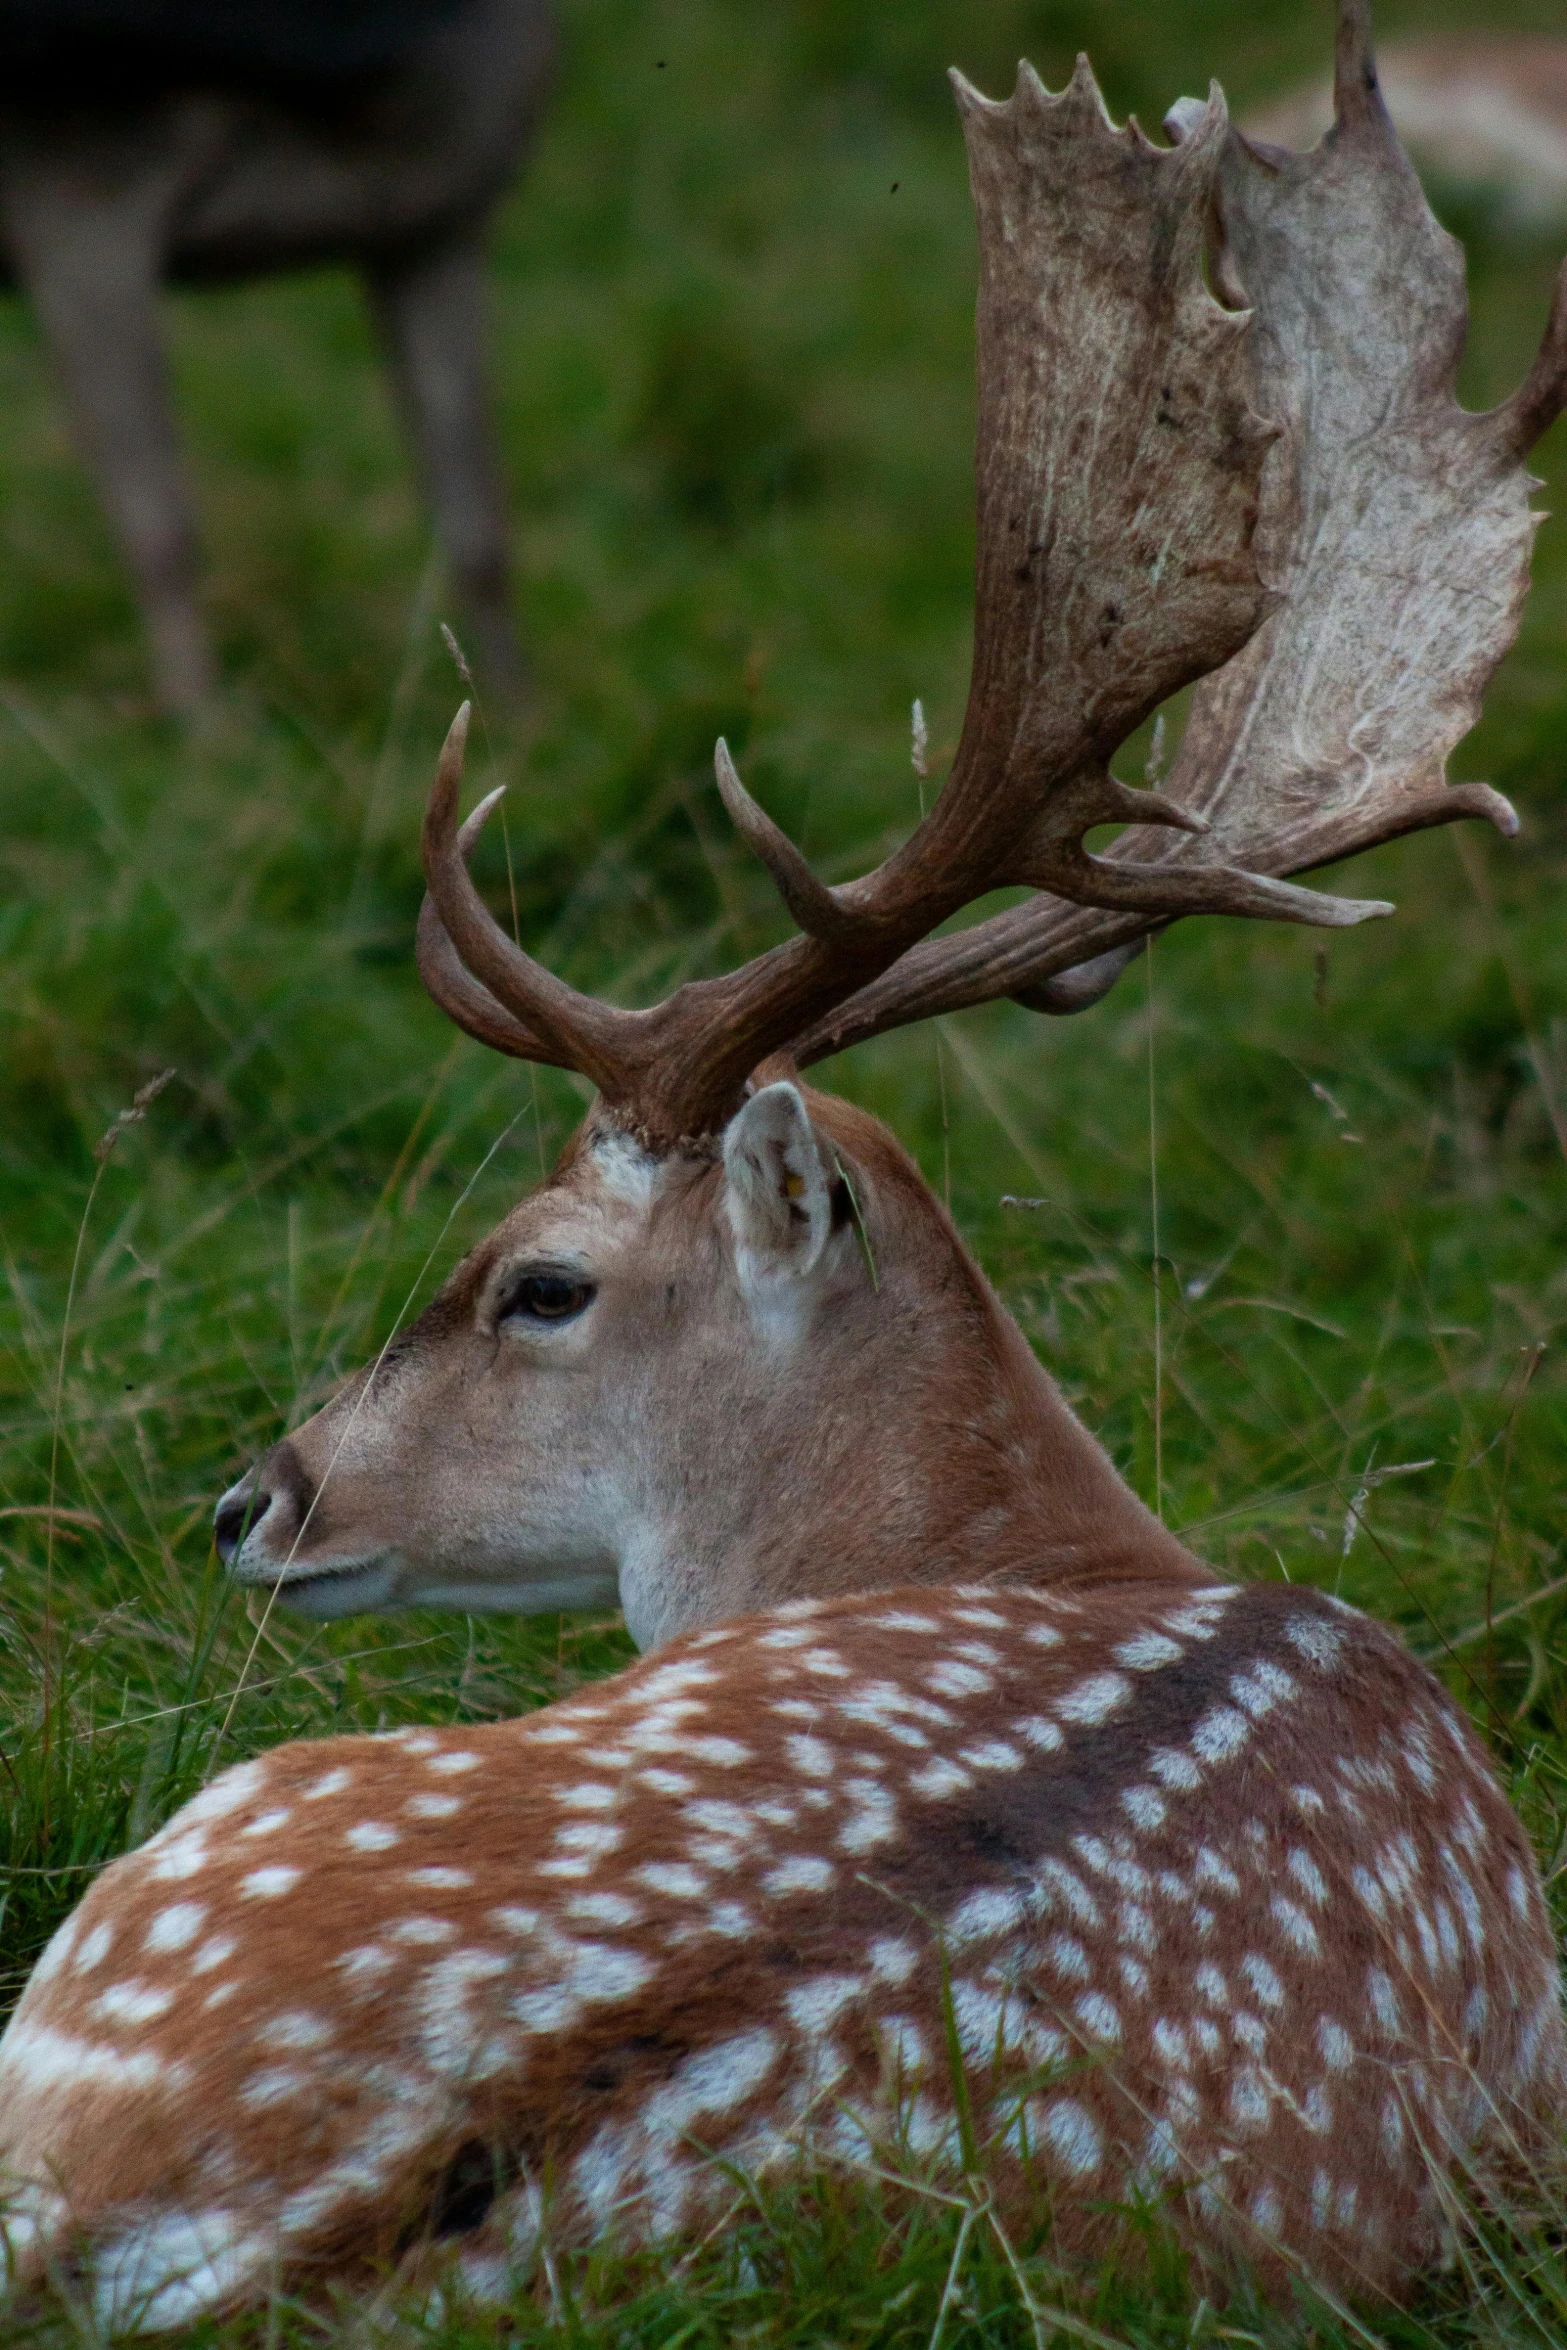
{"points": [[734, 308]]}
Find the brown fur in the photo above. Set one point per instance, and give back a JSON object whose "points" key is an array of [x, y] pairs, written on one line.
{"points": [[1233, 1914]]}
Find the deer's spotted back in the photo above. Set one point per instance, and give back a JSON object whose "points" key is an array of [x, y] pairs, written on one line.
{"points": [[1201, 1895]]}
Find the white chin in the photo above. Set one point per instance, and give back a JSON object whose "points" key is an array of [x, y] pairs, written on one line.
{"points": [[364, 1589]]}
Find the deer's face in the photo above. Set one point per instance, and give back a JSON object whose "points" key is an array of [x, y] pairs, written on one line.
{"points": [[586, 1406]]}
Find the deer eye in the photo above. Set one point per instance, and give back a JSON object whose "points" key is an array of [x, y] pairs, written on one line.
{"points": [[543, 1296]]}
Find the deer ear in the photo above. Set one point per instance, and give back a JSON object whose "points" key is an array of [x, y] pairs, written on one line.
{"points": [[778, 1187]]}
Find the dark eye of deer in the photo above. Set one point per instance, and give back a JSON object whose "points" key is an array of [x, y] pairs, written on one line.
{"points": [[545, 1297]]}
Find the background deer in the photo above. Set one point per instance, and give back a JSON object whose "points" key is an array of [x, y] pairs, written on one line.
{"points": [[142, 144], [1489, 112], [996, 1826]]}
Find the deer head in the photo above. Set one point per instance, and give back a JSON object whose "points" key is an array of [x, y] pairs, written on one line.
{"points": [[732, 1350]]}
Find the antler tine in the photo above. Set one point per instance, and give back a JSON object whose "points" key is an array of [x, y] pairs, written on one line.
{"points": [[1396, 526], [1356, 90], [460, 996], [572, 1031], [811, 903]]}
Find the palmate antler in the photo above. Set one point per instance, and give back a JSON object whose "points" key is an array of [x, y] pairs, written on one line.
{"points": [[1282, 500]]}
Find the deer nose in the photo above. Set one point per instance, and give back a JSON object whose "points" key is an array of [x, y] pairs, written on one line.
{"points": [[267, 1510], [234, 1516]]}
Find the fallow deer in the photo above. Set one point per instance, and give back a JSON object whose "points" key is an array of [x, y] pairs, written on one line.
{"points": [[961, 1814]]}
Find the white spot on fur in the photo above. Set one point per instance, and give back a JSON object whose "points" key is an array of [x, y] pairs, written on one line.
{"points": [[132, 2003], [1263, 1979], [952, 1679], [184, 1856], [1068, 1957], [1296, 1927], [812, 2006], [1307, 1876], [1267, 2211], [1383, 2000], [1093, 1701], [892, 1961], [673, 1877], [273, 2085], [1099, 2016], [1261, 1687], [1146, 1652], [295, 2028], [873, 1821], [176, 1926], [1320, 1644], [372, 1836], [1174, 1769], [806, 1874], [1249, 2102], [727, 1753], [170, 2270], [1338, 2049], [1220, 1734], [587, 1796], [1134, 1975], [268, 1884], [1081, 1905], [421, 1933], [1210, 1869], [266, 1822], [96, 1945], [1134, 1925], [1072, 2136], [365, 1964], [714, 2081], [433, 1807], [1170, 2043], [993, 1911]]}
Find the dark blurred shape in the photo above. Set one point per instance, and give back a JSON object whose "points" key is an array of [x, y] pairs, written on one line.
{"points": [[285, 39], [144, 141]]}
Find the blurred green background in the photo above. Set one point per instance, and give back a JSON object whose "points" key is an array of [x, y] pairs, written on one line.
{"points": [[733, 303]]}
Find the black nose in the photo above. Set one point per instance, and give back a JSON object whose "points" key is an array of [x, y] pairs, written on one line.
{"points": [[235, 1517]]}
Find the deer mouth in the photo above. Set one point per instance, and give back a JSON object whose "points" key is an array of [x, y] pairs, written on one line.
{"points": [[349, 1588]]}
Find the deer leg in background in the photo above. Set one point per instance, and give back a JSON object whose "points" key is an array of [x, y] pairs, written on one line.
{"points": [[87, 246], [431, 308]]}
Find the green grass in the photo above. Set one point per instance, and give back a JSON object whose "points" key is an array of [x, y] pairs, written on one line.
{"points": [[735, 362]]}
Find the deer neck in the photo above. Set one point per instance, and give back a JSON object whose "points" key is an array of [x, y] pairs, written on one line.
{"points": [[927, 1446]]}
